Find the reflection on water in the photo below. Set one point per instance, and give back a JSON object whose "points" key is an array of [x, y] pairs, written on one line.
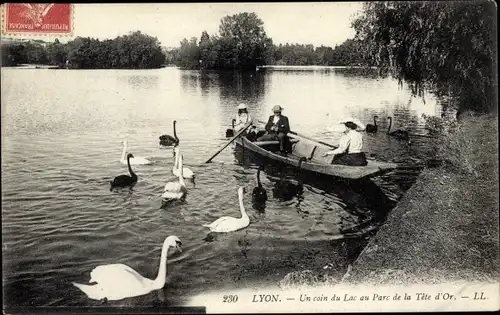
{"points": [[140, 82], [230, 88], [61, 145]]}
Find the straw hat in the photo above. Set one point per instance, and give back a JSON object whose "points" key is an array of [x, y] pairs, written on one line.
{"points": [[277, 108], [242, 106]]}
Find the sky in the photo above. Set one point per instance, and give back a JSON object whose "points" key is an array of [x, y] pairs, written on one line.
{"points": [[320, 23]]}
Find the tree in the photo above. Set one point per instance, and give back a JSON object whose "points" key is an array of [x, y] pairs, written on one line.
{"points": [[447, 47], [242, 44], [35, 53], [56, 54], [205, 51], [78, 50], [246, 38], [132, 51], [189, 54], [13, 54]]}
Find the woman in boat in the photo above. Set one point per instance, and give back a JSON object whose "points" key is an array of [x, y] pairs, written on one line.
{"points": [[243, 118], [350, 150]]}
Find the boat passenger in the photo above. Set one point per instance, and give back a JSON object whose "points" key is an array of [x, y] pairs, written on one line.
{"points": [[350, 150], [242, 118], [277, 128]]}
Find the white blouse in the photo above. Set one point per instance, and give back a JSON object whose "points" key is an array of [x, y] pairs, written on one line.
{"points": [[352, 142], [242, 120]]}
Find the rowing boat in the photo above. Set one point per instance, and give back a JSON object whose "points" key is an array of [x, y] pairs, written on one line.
{"points": [[307, 154]]}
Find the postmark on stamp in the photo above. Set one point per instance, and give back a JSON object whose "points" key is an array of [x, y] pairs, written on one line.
{"points": [[37, 18]]}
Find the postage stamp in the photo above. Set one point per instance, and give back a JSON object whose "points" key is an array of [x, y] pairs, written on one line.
{"points": [[37, 19]]}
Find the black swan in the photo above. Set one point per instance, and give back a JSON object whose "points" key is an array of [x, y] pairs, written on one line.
{"points": [[398, 134], [259, 194], [372, 128], [125, 180], [285, 190], [168, 140], [230, 132]]}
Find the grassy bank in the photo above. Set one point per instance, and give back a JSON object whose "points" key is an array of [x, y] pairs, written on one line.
{"points": [[445, 228]]}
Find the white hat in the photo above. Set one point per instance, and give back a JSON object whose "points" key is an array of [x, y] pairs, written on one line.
{"points": [[242, 106]]}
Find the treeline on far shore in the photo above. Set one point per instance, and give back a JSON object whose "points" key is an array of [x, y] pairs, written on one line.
{"points": [[444, 47], [89, 53], [133, 51], [241, 44]]}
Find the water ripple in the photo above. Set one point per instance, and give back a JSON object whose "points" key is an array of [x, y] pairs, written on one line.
{"points": [[61, 149]]}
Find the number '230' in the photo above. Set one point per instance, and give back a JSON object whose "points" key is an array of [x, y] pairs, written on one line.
{"points": [[229, 298]]}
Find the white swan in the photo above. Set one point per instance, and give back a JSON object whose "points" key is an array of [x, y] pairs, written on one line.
{"points": [[230, 224], [175, 190], [119, 281], [186, 172], [133, 161]]}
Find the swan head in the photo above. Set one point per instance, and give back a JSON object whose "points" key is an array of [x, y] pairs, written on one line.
{"points": [[375, 117], [174, 242], [130, 155]]}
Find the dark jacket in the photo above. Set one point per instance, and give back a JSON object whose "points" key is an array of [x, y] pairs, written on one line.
{"points": [[283, 125]]}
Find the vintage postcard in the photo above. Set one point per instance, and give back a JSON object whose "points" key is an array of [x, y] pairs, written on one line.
{"points": [[249, 157]]}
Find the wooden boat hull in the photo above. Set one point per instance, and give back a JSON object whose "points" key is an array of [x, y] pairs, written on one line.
{"points": [[314, 162]]}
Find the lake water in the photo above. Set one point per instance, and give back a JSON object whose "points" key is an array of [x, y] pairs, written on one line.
{"points": [[61, 145]]}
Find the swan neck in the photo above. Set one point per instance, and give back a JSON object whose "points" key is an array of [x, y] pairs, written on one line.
{"points": [[159, 282], [175, 133], [242, 206], [374, 122], [258, 178], [390, 124], [130, 167], [124, 151], [176, 159], [181, 172]]}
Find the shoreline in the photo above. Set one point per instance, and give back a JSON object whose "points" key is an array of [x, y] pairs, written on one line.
{"points": [[258, 68], [444, 229]]}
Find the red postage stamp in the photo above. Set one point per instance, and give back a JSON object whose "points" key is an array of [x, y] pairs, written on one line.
{"points": [[37, 18]]}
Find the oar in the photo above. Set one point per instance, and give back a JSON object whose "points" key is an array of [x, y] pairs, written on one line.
{"points": [[230, 141], [305, 137]]}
